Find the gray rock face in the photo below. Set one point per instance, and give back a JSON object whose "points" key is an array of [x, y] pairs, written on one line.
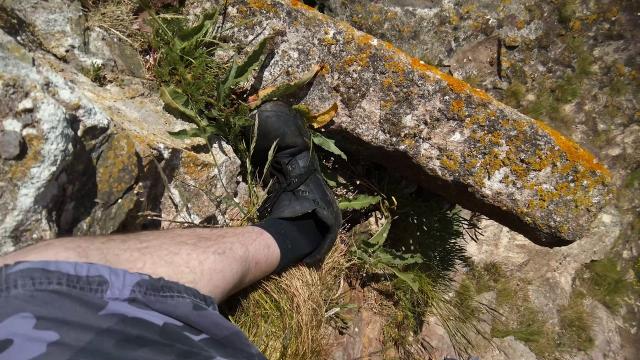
{"points": [[57, 25], [95, 159], [447, 135]]}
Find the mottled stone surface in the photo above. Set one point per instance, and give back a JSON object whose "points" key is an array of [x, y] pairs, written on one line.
{"points": [[57, 25], [449, 136]]}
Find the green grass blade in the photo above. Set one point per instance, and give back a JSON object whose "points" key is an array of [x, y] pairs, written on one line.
{"points": [[327, 144], [381, 236], [359, 202], [251, 62]]}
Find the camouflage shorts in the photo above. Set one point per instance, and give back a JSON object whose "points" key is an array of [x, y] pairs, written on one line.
{"points": [[69, 310]]}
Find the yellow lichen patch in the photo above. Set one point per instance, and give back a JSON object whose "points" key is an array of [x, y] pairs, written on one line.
{"points": [[386, 104], [471, 164], [475, 120], [194, 167], [395, 67], [329, 40], [573, 151], [479, 177], [387, 82], [361, 59], [420, 65], [575, 25], [261, 5], [20, 169], [410, 143], [492, 162], [496, 138], [519, 171], [117, 168], [450, 161], [364, 39], [457, 107]]}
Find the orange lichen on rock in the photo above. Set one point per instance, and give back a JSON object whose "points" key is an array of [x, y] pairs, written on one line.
{"points": [[450, 161], [301, 5], [361, 60], [420, 65], [457, 106], [574, 151], [395, 66], [364, 39], [261, 5]]}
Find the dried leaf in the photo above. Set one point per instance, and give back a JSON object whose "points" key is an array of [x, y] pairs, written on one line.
{"points": [[320, 120], [273, 93]]}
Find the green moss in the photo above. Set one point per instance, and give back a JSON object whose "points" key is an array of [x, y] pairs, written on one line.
{"points": [[522, 319], [544, 106], [517, 73], [605, 282], [473, 80], [568, 89], [514, 94], [633, 179], [486, 276], [567, 11], [618, 87], [575, 324], [519, 318], [583, 58], [584, 63]]}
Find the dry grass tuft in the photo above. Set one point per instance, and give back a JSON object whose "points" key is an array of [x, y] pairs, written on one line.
{"points": [[117, 17], [291, 316]]}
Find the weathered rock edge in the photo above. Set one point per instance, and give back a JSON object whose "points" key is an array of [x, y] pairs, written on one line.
{"points": [[454, 139]]}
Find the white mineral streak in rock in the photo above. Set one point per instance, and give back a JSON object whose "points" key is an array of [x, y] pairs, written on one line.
{"points": [[55, 152]]}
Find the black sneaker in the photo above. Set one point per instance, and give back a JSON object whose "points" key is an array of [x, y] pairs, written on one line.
{"points": [[298, 187]]}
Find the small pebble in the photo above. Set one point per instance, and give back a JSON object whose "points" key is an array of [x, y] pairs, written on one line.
{"points": [[10, 144]]}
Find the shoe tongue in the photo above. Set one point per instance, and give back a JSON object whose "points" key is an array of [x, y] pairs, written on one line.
{"points": [[290, 205]]}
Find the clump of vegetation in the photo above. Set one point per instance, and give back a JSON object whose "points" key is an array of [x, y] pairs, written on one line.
{"points": [[575, 324], [568, 89], [96, 74], [196, 86], [409, 260], [604, 281]]}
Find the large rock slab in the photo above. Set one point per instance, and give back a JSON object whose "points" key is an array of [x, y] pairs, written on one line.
{"points": [[452, 138]]}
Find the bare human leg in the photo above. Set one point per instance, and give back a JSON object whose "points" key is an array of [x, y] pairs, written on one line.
{"points": [[217, 262]]}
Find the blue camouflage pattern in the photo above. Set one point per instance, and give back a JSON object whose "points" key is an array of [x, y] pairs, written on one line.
{"points": [[71, 310]]}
